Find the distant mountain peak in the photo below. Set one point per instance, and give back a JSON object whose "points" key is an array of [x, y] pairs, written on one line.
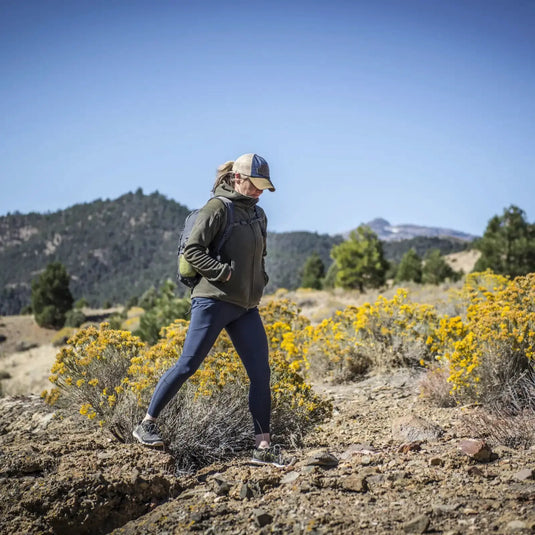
{"points": [[379, 222], [388, 232]]}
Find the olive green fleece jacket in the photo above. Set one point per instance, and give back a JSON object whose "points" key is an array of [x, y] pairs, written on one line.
{"points": [[242, 255]]}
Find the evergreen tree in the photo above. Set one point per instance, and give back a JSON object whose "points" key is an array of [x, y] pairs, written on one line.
{"points": [[330, 278], [360, 260], [410, 268], [313, 272], [437, 270], [51, 296], [508, 244]]}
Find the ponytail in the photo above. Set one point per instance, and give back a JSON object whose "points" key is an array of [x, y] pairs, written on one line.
{"points": [[224, 175]]}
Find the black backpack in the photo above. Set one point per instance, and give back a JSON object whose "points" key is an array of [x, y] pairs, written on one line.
{"points": [[186, 273]]}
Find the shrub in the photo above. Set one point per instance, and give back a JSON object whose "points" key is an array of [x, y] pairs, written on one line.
{"points": [[74, 318], [489, 351], [92, 371], [382, 335], [110, 376], [62, 336], [164, 309], [81, 303]]}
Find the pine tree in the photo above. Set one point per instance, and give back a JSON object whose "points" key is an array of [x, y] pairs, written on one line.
{"points": [[410, 268], [51, 296], [360, 260], [313, 272], [436, 269], [508, 244]]}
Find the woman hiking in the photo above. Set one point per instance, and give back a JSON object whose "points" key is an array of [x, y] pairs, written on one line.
{"points": [[226, 297]]}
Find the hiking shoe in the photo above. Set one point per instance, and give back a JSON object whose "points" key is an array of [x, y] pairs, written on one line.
{"points": [[147, 433], [271, 455]]}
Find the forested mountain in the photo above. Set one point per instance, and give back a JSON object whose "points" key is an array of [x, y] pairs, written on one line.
{"points": [[287, 253], [113, 250], [117, 249]]}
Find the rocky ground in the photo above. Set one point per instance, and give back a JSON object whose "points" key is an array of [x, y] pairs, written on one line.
{"points": [[387, 462]]}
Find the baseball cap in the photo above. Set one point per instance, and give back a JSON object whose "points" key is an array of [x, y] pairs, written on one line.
{"points": [[256, 169]]}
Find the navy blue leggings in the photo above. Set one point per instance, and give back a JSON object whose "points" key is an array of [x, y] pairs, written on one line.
{"points": [[244, 326]]}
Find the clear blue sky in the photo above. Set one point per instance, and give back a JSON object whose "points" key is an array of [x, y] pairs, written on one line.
{"points": [[416, 111]]}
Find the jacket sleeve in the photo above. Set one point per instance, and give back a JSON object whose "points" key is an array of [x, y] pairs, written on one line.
{"points": [[210, 221]]}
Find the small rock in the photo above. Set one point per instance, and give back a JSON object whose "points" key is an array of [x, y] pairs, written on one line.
{"points": [[197, 516], [476, 449], [310, 469], [417, 525], [516, 525], [355, 483], [475, 471], [362, 449], [23, 345], [221, 486], [411, 446], [262, 518], [444, 509], [323, 459], [290, 477], [414, 428], [134, 476], [525, 474], [469, 511], [246, 492], [436, 461]]}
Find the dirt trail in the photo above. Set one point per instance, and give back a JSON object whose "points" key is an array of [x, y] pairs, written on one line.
{"points": [[387, 462]]}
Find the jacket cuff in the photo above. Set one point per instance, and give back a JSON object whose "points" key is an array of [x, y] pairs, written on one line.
{"points": [[225, 273]]}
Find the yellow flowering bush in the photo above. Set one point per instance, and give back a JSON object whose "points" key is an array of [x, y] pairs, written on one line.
{"points": [[110, 375], [148, 366], [488, 351], [388, 333], [92, 370]]}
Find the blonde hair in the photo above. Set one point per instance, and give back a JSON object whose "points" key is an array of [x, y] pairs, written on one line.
{"points": [[224, 175]]}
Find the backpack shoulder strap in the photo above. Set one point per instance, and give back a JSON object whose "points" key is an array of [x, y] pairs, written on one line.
{"points": [[260, 215], [229, 206]]}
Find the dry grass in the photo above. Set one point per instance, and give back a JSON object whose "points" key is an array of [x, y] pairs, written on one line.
{"points": [[318, 305], [463, 261], [514, 431], [434, 386]]}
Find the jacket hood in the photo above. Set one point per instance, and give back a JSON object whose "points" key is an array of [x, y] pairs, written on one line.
{"points": [[225, 190]]}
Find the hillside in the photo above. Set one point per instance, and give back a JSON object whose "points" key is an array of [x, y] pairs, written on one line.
{"points": [[112, 249], [118, 249]]}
